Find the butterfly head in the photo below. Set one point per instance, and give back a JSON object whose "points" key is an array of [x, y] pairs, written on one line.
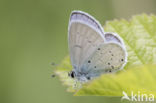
{"points": [[79, 76], [72, 74]]}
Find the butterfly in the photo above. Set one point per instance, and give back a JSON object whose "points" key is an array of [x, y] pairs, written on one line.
{"points": [[93, 52]]}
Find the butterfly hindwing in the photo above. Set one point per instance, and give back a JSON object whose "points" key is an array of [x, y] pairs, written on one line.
{"points": [[113, 37], [108, 57]]}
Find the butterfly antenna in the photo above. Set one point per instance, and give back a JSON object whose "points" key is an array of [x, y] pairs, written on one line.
{"points": [[53, 64], [56, 74]]}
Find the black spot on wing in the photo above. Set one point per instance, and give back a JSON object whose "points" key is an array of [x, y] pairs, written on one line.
{"points": [[89, 61], [88, 78]]}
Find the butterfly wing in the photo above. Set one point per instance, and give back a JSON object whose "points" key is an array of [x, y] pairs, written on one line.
{"points": [[113, 37], [109, 57], [85, 34]]}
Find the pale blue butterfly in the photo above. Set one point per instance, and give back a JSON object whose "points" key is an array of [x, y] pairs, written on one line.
{"points": [[92, 51]]}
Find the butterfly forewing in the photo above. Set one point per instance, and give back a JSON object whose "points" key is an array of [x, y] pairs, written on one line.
{"points": [[85, 35]]}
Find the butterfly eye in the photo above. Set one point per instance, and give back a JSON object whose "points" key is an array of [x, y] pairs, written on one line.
{"points": [[71, 74]]}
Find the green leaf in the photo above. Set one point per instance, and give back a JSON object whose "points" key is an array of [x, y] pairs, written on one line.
{"points": [[139, 35], [134, 79]]}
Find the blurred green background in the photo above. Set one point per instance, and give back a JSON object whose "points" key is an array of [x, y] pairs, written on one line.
{"points": [[33, 33]]}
